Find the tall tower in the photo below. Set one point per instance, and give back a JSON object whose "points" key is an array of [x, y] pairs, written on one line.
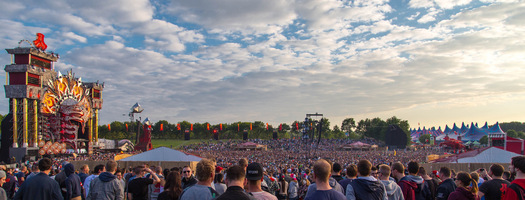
{"points": [[49, 113]]}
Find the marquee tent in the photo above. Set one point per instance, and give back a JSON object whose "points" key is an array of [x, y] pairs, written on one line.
{"points": [[162, 154], [482, 155]]}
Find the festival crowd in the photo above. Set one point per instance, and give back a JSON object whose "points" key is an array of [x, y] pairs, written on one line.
{"points": [[289, 169]]}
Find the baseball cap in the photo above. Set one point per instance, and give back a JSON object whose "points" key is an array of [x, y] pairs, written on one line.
{"points": [[2, 174], [254, 171]]}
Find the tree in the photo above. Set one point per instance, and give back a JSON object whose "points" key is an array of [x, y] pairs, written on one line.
{"points": [[512, 133], [424, 139], [484, 140], [348, 125]]}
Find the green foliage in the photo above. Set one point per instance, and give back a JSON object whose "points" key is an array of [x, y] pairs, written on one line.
{"points": [[424, 139], [512, 133], [376, 128], [516, 126], [484, 140]]}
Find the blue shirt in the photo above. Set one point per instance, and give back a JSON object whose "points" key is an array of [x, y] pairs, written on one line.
{"points": [[326, 195]]}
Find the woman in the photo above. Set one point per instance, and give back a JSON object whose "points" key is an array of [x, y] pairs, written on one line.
{"points": [[463, 191], [292, 189], [172, 187], [283, 185]]}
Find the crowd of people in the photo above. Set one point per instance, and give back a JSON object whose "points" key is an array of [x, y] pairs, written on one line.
{"points": [[289, 169]]}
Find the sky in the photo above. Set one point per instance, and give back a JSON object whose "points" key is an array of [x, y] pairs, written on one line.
{"points": [[433, 63]]}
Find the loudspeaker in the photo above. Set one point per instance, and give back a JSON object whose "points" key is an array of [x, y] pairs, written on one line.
{"points": [[275, 135], [245, 135], [395, 137], [186, 135], [215, 134]]}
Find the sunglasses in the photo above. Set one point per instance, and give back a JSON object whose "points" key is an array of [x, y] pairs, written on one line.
{"points": [[186, 171]]}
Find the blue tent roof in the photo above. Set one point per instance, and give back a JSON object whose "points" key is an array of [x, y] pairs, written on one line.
{"points": [[496, 129], [162, 154], [447, 130], [485, 127], [474, 133], [464, 128], [456, 129]]}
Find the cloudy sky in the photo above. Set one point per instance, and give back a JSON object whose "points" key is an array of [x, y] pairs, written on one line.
{"points": [[433, 63]]}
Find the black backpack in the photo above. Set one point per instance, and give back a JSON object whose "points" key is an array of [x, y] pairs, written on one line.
{"points": [[519, 191]]}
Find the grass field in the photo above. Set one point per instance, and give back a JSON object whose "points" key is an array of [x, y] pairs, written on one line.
{"points": [[175, 144]]}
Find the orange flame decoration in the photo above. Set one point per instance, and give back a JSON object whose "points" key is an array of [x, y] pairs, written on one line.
{"points": [[69, 90], [39, 42]]}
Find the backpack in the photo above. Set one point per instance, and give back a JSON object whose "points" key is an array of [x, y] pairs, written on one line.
{"points": [[519, 191]]}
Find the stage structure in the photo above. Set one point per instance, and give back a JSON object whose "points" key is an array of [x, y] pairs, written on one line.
{"points": [[49, 113]]}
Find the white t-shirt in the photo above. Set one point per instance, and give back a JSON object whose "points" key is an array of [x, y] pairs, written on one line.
{"points": [[263, 195]]}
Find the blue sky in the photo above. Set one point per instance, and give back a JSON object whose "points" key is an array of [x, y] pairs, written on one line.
{"points": [[433, 63]]}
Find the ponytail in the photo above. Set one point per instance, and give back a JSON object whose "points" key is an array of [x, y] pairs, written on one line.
{"points": [[474, 189]]}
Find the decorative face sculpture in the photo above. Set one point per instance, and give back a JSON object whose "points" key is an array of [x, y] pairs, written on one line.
{"points": [[67, 105]]}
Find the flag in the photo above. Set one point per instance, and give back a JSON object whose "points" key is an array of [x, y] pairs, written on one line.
{"points": [[250, 126], [220, 126], [191, 127], [126, 127], [266, 126], [208, 126], [297, 126], [109, 127], [178, 127], [238, 127], [395, 152], [280, 127], [161, 127]]}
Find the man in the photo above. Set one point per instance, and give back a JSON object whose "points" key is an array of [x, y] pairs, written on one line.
{"points": [[235, 179], [2, 181], [40, 186], [351, 174], [336, 172], [10, 182], [98, 169], [374, 172], [412, 185], [333, 184], [155, 189], [393, 190], [34, 171], [202, 190], [243, 162], [323, 190], [84, 172], [187, 177], [138, 187], [365, 186], [107, 186], [21, 176], [491, 189], [447, 185], [517, 187], [431, 183], [254, 175], [72, 183]]}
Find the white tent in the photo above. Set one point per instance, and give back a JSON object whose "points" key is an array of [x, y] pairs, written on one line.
{"points": [[162, 154], [484, 155]]}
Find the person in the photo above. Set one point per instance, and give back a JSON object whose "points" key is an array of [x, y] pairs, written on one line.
{"points": [[21, 175], [187, 177], [333, 183], [351, 174], [447, 185], [155, 189], [34, 171], [84, 172], [412, 185], [365, 186], [292, 189], [463, 191], [254, 175], [40, 186], [120, 177], [243, 162], [218, 182], [393, 190], [430, 183], [61, 177], [10, 184], [336, 171], [172, 187], [107, 186], [283, 192], [517, 186], [138, 187], [202, 190], [98, 169], [491, 189], [506, 176], [3, 195], [323, 190], [72, 183], [235, 179], [374, 172]]}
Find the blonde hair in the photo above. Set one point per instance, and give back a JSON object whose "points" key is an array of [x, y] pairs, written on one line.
{"points": [[205, 169]]}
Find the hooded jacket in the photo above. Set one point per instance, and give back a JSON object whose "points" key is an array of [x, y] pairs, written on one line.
{"points": [[510, 193], [393, 190], [462, 194], [413, 188], [106, 187], [73, 185], [365, 188]]}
